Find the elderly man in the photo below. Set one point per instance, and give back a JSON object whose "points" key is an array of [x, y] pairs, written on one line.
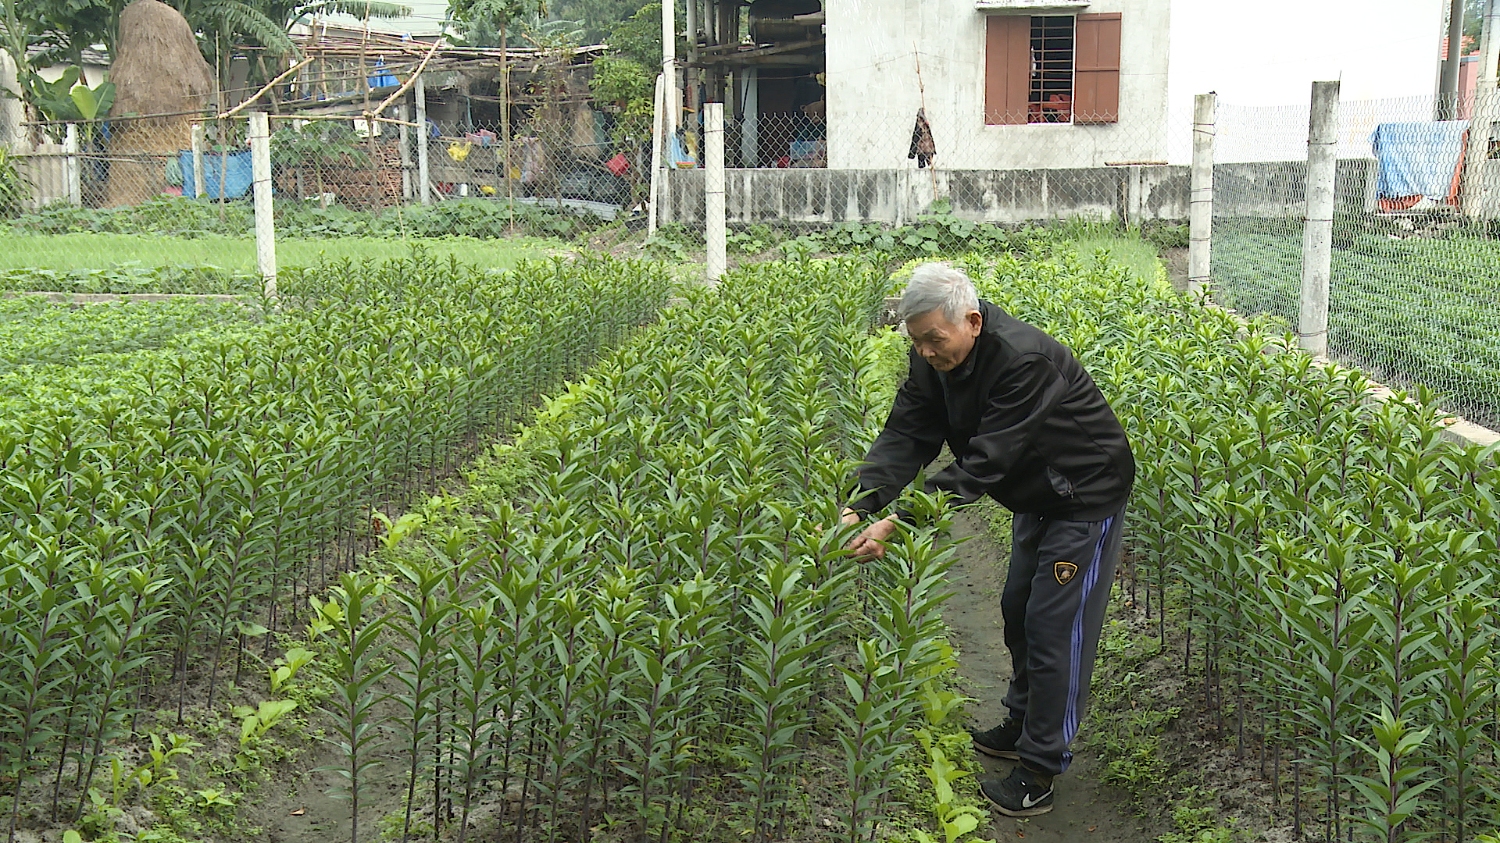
{"points": [[1028, 427]]}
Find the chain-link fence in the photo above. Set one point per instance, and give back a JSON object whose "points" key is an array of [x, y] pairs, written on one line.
{"points": [[145, 194], [344, 160], [1414, 294]]}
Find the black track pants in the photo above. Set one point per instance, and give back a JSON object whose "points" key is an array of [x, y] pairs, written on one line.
{"points": [[1054, 601]]}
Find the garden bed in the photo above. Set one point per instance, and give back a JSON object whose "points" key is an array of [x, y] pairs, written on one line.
{"points": [[1322, 565], [173, 507]]}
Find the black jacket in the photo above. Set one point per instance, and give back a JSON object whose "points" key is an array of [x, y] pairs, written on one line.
{"points": [[1025, 423]]}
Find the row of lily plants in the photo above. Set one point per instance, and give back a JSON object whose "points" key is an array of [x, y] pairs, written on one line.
{"points": [[639, 622], [167, 511], [1324, 565]]}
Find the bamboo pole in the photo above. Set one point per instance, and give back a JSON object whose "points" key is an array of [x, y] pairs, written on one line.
{"points": [[269, 85]]}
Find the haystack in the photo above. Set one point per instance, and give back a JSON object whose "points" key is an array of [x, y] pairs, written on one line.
{"points": [[157, 70]]}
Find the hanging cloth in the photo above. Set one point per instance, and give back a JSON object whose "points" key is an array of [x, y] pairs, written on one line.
{"points": [[922, 147]]}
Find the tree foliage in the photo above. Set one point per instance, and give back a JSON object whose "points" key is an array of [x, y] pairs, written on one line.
{"points": [[638, 37], [487, 21], [599, 17]]}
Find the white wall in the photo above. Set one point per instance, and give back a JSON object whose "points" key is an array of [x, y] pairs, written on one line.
{"points": [[1269, 53], [93, 74], [873, 51], [426, 19], [11, 112]]}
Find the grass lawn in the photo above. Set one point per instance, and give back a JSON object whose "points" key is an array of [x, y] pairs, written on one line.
{"points": [[103, 251]]}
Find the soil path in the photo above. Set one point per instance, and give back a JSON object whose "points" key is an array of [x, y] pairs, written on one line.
{"points": [[1086, 810]]}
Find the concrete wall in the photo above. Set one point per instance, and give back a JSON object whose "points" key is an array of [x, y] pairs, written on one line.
{"points": [[896, 196], [874, 47], [1279, 188], [45, 169]]}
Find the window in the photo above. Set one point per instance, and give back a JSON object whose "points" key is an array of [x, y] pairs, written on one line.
{"points": [[1052, 69]]}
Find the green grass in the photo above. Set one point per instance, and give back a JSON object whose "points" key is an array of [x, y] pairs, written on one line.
{"points": [[1129, 251], [100, 251]]}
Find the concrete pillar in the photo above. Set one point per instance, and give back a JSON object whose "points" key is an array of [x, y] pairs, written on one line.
{"points": [[1201, 192], [1133, 205], [669, 66], [1317, 236], [1448, 93], [1477, 176], [265, 222], [424, 175], [403, 141], [200, 178], [653, 212], [73, 172], [713, 158]]}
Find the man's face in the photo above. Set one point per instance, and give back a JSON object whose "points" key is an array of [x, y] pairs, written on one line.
{"points": [[943, 344]]}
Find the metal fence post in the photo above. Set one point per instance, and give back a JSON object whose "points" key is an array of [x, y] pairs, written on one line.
{"points": [[72, 172], [1317, 234], [713, 204], [200, 178], [265, 223], [424, 184], [1201, 192]]}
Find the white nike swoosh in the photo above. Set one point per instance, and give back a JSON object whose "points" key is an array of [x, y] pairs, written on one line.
{"points": [[1028, 802]]}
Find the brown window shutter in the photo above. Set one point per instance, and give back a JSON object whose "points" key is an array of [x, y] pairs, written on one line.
{"points": [[1096, 69], [1007, 68]]}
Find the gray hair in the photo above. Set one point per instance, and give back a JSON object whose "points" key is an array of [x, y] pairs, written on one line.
{"points": [[938, 285]]}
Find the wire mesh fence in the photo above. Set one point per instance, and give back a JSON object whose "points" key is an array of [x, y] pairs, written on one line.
{"points": [[149, 184], [1415, 269]]}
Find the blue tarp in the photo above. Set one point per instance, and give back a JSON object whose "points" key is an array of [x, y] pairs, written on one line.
{"points": [[1418, 159], [238, 173]]}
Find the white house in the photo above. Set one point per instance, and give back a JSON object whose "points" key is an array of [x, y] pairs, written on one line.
{"points": [[1005, 84], [1042, 84]]}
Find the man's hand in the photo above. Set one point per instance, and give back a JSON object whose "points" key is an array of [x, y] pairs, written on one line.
{"points": [[867, 545]]}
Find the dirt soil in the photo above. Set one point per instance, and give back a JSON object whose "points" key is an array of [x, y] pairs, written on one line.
{"points": [[1086, 810]]}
